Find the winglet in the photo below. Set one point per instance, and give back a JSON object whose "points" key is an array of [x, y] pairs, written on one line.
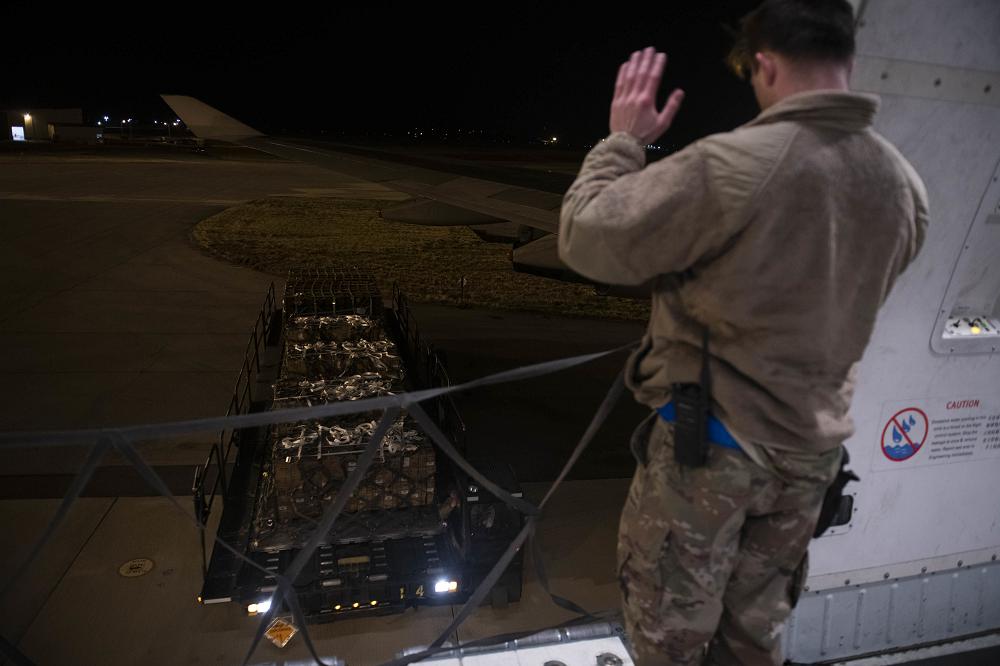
{"points": [[206, 122]]}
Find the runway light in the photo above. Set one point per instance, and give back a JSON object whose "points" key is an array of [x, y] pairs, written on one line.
{"points": [[446, 586]]}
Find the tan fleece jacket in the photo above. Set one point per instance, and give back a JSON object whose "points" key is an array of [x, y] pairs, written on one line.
{"points": [[783, 236]]}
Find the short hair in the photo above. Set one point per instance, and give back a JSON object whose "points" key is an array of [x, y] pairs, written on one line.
{"points": [[819, 30]]}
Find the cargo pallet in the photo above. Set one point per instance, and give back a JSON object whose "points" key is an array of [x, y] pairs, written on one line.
{"points": [[372, 562]]}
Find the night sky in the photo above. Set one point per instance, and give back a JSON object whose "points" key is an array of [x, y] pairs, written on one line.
{"points": [[524, 73]]}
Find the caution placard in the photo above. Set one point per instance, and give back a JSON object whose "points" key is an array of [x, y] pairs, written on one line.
{"points": [[280, 631], [938, 431]]}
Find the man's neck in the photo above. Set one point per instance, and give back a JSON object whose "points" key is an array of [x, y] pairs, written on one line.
{"points": [[810, 79]]}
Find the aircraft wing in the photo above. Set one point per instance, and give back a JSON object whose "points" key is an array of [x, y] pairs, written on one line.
{"points": [[490, 200], [526, 216]]}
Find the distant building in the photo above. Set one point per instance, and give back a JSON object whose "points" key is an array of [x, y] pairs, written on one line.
{"points": [[39, 124], [75, 133]]}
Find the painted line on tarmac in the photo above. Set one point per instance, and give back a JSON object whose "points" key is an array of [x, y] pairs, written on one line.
{"points": [[13, 196]]}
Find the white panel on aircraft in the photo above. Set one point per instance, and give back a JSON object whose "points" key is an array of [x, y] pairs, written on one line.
{"points": [[918, 561], [939, 501]]}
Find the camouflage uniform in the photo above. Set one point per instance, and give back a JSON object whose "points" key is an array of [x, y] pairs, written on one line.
{"points": [[715, 556]]}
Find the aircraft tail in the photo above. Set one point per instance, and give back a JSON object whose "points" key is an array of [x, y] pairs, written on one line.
{"points": [[206, 122]]}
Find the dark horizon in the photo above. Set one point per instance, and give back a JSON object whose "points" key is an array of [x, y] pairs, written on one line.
{"points": [[528, 75]]}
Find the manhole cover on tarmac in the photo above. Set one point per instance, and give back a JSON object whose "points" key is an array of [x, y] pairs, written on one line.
{"points": [[135, 568]]}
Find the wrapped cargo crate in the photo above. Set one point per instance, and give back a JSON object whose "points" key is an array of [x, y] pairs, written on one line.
{"points": [[306, 393], [294, 393], [329, 360], [311, 462], [313, 440], [341, 328]]}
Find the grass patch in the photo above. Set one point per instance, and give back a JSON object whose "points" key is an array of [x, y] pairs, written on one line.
{"points": [[275, 234]]}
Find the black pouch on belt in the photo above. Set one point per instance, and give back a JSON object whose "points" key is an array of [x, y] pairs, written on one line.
{"points": [[691, 426], [691, 405], [834, 497]]}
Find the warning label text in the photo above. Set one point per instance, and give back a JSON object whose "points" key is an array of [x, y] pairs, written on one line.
{"points": [[938, 431]]}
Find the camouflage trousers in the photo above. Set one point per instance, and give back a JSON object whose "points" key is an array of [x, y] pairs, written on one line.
{"points": [[711, 560]]}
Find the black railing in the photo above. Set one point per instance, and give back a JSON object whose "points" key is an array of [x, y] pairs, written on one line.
{"points": [[429, 367], [410, 334], [211, 478]]}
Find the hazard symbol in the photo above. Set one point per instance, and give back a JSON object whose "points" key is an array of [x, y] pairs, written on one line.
{"points": [[904, 434], [281, 631]]}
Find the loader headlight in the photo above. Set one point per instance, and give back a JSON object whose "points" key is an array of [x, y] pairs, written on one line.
{"points": [[259, 607], [446, 586]]}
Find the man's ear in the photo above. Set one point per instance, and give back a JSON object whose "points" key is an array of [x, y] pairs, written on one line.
{"points": [[768, 67]]}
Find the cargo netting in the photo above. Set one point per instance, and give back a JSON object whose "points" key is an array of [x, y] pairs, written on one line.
{"points": [[332, 358], [331, 291]]}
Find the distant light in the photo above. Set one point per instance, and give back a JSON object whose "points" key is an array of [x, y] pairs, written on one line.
{"points": [[374, 603], [130, 120], [98, 122], [554, 139], [27, 117], [178, 120], [355, 605], [252, 609], [337, 607], [105, 119]]}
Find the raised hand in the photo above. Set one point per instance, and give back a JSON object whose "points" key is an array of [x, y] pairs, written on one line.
{"points": [[633, 108]]}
